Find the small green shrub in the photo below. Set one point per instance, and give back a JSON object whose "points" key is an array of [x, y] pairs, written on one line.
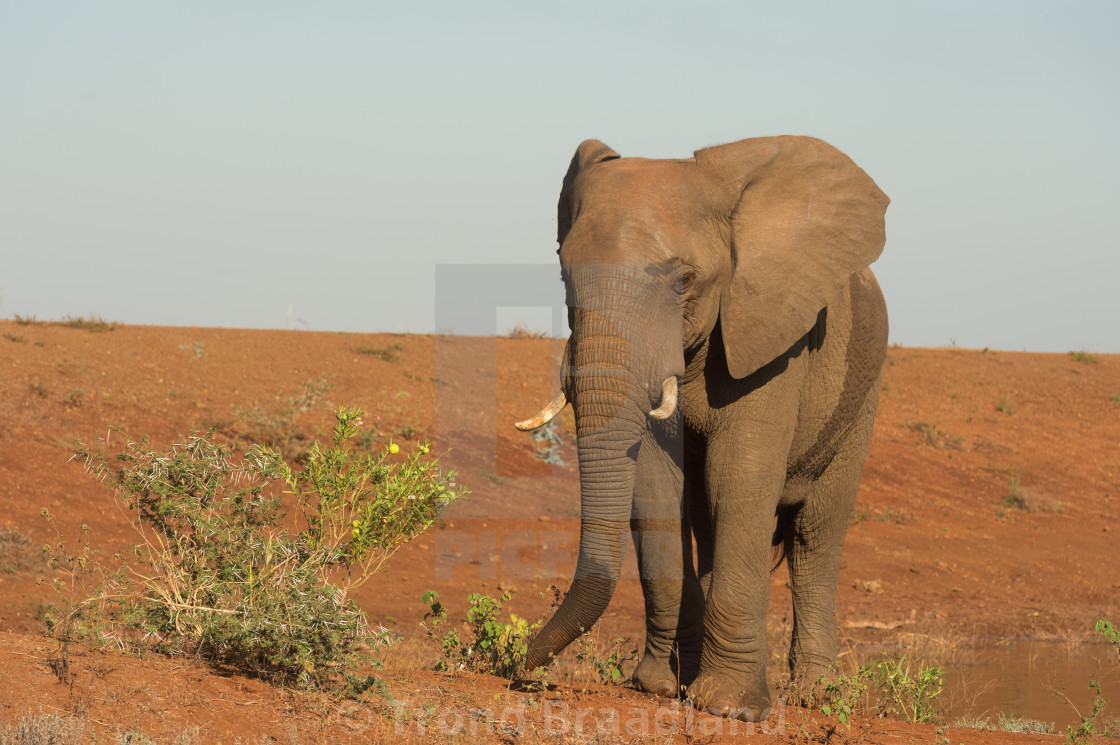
{"points": [[492, 646], [1111, 634], [549, 442], [198, 348], [29, 320], [1084, 731], [909, 694], [607, 669], [843, 695], [217, 576], [1083, 356], [1006, 407], [891, 685]]}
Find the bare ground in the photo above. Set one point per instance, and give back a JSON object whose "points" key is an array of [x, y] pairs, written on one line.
{"points": [[989, 510]]}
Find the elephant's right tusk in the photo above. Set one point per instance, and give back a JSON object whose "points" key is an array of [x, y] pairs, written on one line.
{"points": [[555, 406], [668, 399]]}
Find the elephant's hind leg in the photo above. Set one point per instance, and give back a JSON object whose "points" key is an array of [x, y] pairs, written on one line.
{"points": [[813, 546]]}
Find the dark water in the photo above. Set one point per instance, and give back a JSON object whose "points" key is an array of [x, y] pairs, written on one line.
{"points": [[1028, 678]]}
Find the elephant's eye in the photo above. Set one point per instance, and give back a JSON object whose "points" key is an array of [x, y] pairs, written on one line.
{"points": [[684, 280]]}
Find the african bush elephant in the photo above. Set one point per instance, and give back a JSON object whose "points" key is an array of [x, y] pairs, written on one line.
{"points": [[736, 283]]}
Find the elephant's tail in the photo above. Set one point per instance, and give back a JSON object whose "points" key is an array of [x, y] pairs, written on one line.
{"points": [[778, 541]]}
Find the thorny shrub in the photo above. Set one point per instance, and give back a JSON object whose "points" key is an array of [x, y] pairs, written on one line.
{"points": [[215, 574]]}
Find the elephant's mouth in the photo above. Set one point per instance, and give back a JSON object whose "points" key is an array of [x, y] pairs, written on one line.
{"points": [[665, 409]]}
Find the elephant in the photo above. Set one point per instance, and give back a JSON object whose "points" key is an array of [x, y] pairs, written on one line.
{"points": [[727, 342]]}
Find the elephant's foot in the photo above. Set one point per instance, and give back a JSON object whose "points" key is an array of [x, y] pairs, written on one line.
{"points": [[668, 665], [731, 696], [657, 675], [805, 687]]}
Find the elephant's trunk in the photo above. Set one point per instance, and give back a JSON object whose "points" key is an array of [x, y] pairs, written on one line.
{"points": [[609, 423]]}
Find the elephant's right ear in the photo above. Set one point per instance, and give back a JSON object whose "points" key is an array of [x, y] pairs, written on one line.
{"points": [[587, 154]]}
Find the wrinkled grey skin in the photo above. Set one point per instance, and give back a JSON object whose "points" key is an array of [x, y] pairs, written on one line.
{"points": [[742, 272]]}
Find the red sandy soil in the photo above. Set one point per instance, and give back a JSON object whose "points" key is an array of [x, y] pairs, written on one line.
{"points": [[935, 558]]}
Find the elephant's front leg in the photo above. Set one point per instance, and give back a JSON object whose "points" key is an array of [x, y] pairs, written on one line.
{"points": [[673, 600], [744, 483]]}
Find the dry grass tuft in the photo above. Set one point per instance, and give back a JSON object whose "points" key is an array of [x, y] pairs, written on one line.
{"points": [[936, 437], [521, 331], [91, 323], [18, 553], [1030, 499]]}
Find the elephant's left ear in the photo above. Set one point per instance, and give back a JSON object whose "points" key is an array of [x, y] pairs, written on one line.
{"points": [[804, 218]]}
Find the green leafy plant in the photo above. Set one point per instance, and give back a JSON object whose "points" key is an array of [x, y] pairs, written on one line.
{"points": [[895, 688], [843, 695], [1111, 634], [1083, 356], [607, 669], [198, 348], [216, 575], [492, 645], [1082, 732], [906, 693], [549, 442]]}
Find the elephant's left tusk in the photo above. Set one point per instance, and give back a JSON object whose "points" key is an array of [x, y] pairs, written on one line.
{"points": [[555, 406], [668, 399]]}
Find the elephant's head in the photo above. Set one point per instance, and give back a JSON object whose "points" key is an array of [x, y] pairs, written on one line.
{"points": [[756, 236]]}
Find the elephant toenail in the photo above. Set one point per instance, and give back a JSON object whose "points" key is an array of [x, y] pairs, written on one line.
{"points": [[718, 710]]}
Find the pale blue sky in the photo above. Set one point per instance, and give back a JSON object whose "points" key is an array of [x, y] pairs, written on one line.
{"points": [[205, 163]]}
